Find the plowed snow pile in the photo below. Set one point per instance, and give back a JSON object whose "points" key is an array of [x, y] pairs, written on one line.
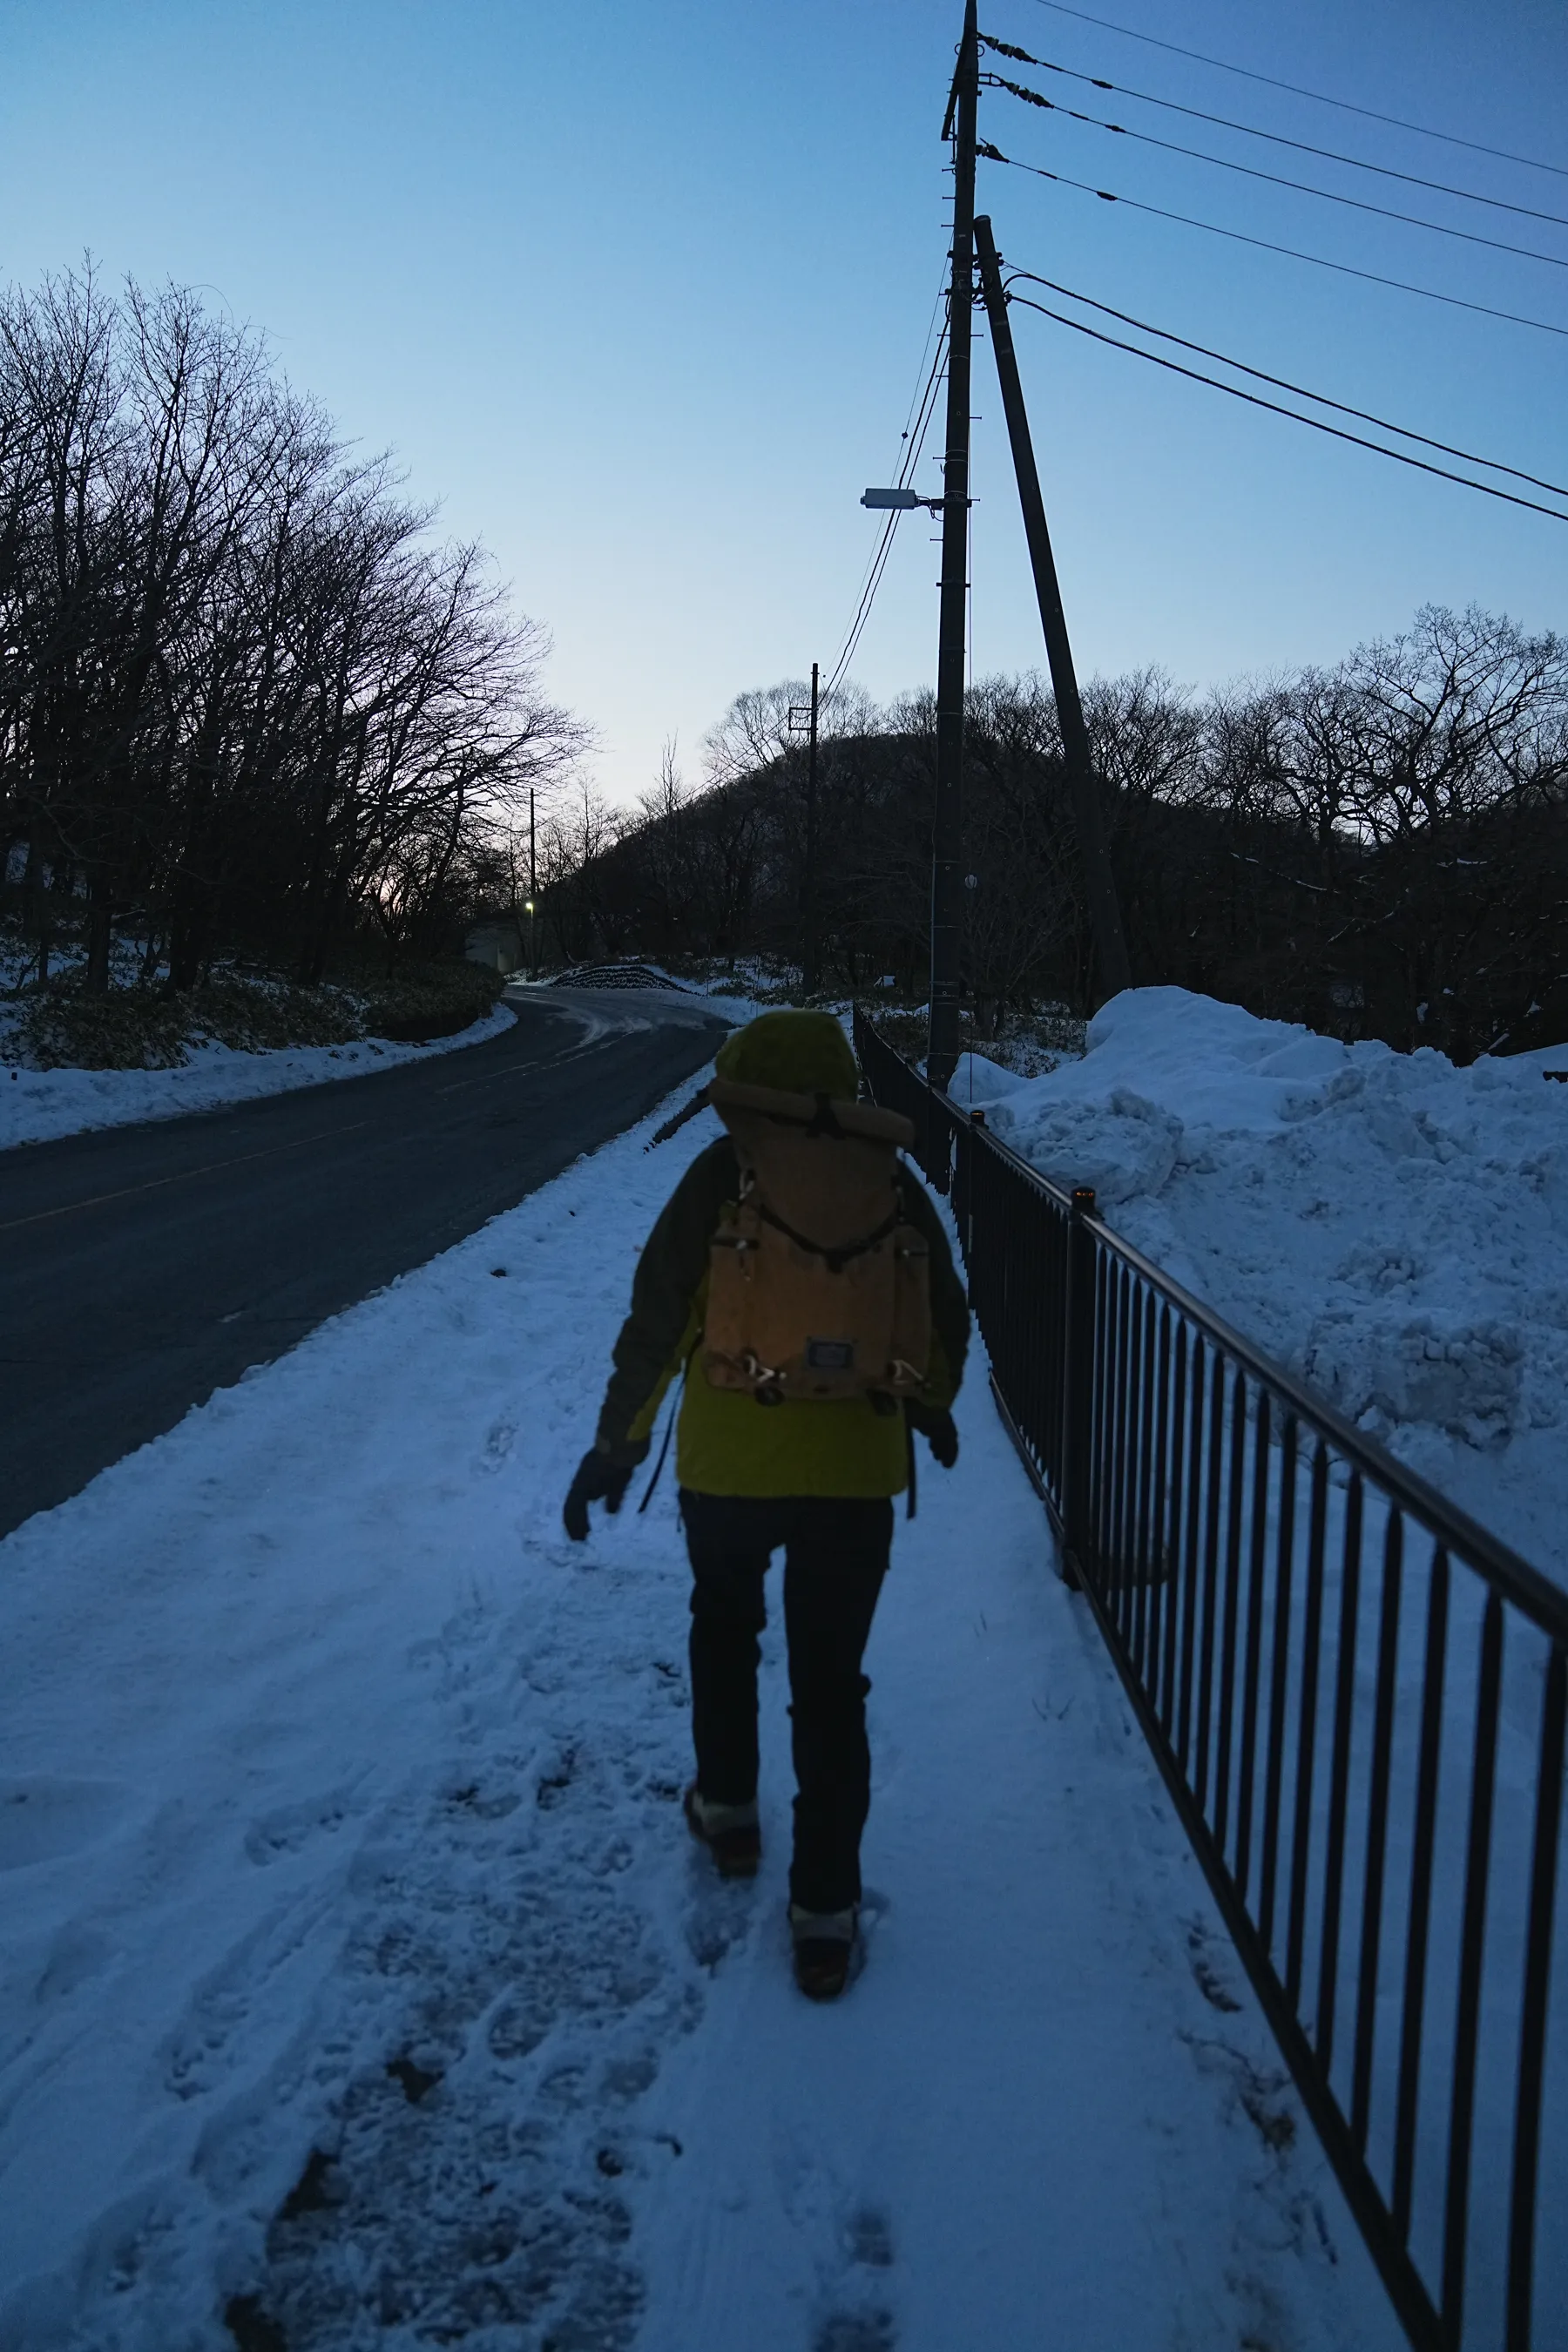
{"points": [[1392, 1227]]}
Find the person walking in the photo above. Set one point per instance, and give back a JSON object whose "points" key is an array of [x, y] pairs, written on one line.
{"points": [[799, 1282]]}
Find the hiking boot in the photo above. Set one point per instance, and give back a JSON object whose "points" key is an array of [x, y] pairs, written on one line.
{"points": [[824, 1950], [729, 1831]]}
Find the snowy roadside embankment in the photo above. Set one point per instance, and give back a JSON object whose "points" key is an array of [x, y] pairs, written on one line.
{"points": [[1392, 1227], [725, 1004], [35, 1106], [361, 1980]]}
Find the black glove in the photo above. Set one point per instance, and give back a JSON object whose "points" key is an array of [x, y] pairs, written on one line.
{"points": [[601, 1478], [938, 1430]]}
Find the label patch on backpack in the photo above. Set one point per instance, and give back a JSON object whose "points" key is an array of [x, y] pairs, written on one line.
{"points": [[830, 1355]]}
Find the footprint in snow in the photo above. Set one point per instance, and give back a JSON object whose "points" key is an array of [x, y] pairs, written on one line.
{"points": [[467, 2179], [858, 2316], [43, 1817], [856, 2331], [718, 1916], [498, 1446], [289, 1828], [868, 2238]]}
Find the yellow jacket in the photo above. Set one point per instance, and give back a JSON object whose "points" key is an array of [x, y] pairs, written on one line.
{"points": [[727, 1444]]}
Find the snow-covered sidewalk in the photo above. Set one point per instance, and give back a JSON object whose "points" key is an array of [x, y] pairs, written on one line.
{"points": [[361, 1978]]}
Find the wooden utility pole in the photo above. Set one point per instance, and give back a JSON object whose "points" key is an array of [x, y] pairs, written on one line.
{"points": [[809, 975], [533, 896], [947, 827], [1104, 912], [803, 721]]}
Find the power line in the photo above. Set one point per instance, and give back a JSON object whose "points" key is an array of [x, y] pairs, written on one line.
{"points": [[915, 444], [880, 561], [932, 327], [1282, 383], [863, 610], [1318, 96], [913, 440], [1275, 179], [1292, 253], [917, 401], [1275, 138], [1255, 400]]}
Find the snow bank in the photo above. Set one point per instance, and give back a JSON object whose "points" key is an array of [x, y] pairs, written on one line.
{"points": [[38, 1105], [1392, 1227]]}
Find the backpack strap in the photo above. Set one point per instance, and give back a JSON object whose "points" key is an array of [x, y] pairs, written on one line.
{"points": [[670, 1421], [819, 1114], [663, 1451], [835, 1259], [910, 1504]]}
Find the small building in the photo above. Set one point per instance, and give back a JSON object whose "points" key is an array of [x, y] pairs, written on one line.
{"points": [[498, 946]]}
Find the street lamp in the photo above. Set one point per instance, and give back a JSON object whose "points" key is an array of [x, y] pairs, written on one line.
{"points": [[901, 500]]}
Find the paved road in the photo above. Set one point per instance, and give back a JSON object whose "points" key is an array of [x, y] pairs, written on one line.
{"points": [[142, 1267]]}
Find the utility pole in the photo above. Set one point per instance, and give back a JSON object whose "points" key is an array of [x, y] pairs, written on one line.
{"points": [[947, 827], [533, 896], [809, 975], [803, 720], [1104, 912]]}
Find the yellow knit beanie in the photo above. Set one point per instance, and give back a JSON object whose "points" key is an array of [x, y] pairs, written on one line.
{"points": [[800, 1053]]}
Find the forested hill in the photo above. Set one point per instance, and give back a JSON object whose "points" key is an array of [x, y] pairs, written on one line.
{"points": [[1377, 849]]}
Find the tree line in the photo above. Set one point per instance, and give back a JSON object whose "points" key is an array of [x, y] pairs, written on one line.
{"points": [[247, 702], [1377, 848]]}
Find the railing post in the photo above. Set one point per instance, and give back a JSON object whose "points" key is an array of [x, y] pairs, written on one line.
{"points": [[938, 1138], [962, 1193], [1077, 1389]]}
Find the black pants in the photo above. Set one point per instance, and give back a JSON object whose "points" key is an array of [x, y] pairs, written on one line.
{"points": [[835, 1556]]}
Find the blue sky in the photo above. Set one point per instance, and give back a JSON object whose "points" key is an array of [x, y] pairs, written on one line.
{"points": [[638, 293]]}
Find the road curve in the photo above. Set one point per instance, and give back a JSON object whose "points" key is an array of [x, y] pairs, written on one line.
{"points": [[142, 1267]]}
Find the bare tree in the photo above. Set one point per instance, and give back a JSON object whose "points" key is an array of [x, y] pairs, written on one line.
{"points": [[241, 689]]}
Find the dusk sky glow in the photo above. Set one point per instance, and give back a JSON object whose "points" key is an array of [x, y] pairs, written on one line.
{"points": [[638, 294]]}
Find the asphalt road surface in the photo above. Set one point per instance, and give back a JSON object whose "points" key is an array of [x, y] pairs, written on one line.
{"points": [[142, 1267]]}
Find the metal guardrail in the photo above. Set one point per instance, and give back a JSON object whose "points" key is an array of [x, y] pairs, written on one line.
{"points": [[1356, 1696], [625, 975]]}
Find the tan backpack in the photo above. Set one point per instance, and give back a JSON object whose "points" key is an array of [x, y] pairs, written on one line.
{"points": [[817, 1287]]}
